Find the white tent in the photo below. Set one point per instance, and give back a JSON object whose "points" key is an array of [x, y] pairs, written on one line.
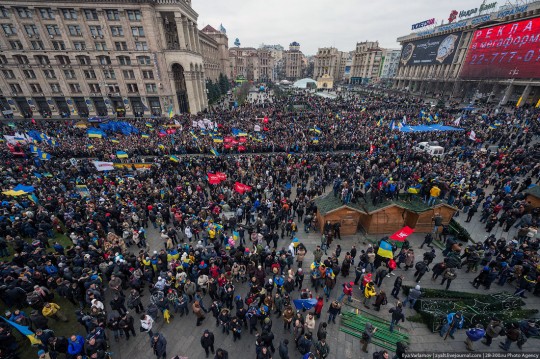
{"points": [[303, 83]]}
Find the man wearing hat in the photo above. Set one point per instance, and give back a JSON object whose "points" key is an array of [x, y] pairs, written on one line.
{"points": [[347, 291], [493, 330], [528, 329], [43, 355], [454, 321], [159, 345], [207, 342]]}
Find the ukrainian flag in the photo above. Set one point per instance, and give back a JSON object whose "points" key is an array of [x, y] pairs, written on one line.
{"points": [[218, 139], [363, 109], [33, 198], [214, 152], [171, 111], [144, 135], [430, 118], [89, 146], [193, 135], [114, 140], [161, 147], [174, 158], [24, 331], [379, 123], [317, 129], [94, 135], [315, 140], [242, 134], [385, 250], [235, 235], [121, 154], [149, 125]]}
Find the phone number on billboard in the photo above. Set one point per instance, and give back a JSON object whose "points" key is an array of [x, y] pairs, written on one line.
{"points": [[505, 57]]}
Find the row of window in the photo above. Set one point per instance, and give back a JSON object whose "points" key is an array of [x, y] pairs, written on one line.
{"points": [[70, 14], [76, 88], [88, 74], [60, 45], [74, 30], [81, 60]]}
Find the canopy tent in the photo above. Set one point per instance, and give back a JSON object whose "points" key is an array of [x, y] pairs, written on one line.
{"points": [[305, 83], [425, 128]]}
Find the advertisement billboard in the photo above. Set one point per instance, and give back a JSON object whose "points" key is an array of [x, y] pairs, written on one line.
{"points": [[433, 51], [504, 51]]}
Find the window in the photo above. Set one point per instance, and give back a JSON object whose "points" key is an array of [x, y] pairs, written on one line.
{"points": [[53, 30], [141, 46], [134, 15], [49, 74], [3, 60], [137, 31], [74, 30], [21, 59], [120, 46], [109, 74], [42, 59], [90, 14], [129, 74], [83, 60], [55, 88], [75, 88], [148, 74], [95, 30], [117, 31], [9, 29], [69, 74], [35, 88], [69, 14], [112, 15], [59, 45], [15, 88], [89, 74], [104, 60], [16, 45], [151, 88], [113, 88], [100, 46], [8, 74], [132, 88], [31, 30], [37, 45], [63, 60], [124, 60], [24, 13], [47, 14], [4, 13], [143, 60], [94, 88], [29, 74], [79, 45]]}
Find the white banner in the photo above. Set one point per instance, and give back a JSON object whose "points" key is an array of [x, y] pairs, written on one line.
{"points": [[257, 128], [103, 166]]}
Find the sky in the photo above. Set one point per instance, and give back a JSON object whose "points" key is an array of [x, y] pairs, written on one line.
{"points": [[323, 23]]}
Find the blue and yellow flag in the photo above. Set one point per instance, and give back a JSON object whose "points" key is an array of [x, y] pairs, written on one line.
{"points": [[385, 250], [214, 152], [121, 154], [44, 156], [218, 139], [317, 129], [379, 123], [33, 198], [174, 158], [235, 235], [149, 125], [34, 149], [161, 147], [24, 330], [89, 146], [144, 135], [315, 140], [193, 135], [171, 111], [114, 140]]}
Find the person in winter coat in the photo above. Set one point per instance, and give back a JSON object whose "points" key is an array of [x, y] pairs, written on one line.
{"points": [[421, 269], [409, 259], [397, 286], [304, 344], [438, 269], [369, 293], [333, 311], [347, 291], [474, 335], [309, 322], [449, 275], [207, 342], [197, 310], [75, 345], [397, 315], [493, 329], [134, 301], [513, 334], [453, 322], [159, 345], [322, 332], [414, 294], [367, 334], [322, 349], [221, 354], [300, 254], [283, 349], [318, 307], [380, 299], [146, 323]]}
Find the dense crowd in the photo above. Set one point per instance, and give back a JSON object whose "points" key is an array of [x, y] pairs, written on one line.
{"points": [[215, 239]]}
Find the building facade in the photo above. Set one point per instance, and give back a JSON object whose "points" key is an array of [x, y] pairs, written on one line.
{"points": [[476, 58], [390, 64], [251, 64], [329, 61], [293, 62], [215, 52], [100, 57], [366, 63]]}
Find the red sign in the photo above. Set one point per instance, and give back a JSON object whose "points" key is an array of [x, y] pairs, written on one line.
{"points": [[213, 178], [222, 176], [241, 188], [505, 51], [402, 234]]}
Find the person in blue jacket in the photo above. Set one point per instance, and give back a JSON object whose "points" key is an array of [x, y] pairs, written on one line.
{"points": [[454, 321], [75, 346], [474, 335]]}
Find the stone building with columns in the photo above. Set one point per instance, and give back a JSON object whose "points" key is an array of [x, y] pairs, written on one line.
{"points": [[476, 59], [215, 51], [100, 57]]}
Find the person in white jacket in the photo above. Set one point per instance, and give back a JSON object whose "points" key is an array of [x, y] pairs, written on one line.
{"points": [[188, 233], [146, 324]]}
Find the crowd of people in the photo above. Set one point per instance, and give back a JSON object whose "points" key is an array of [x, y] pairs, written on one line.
{"points": [[191, 247]]}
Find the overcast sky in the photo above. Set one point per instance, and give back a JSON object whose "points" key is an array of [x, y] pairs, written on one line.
{"points": [[321, 23]]}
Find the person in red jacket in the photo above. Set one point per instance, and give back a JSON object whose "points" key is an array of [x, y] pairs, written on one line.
{"points": [[347, 291], [319, 306], [391, 266]]}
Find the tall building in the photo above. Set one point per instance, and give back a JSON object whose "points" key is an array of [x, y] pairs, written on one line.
{"points": [[366, 63], [476, 58], [215, 52], [329, 61], [251, 64], [101, 58], [293, 62], [390, 64]]}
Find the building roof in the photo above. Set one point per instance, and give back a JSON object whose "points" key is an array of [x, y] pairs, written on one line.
{"points": [[328, 203], [303, 83], [208, 28]]}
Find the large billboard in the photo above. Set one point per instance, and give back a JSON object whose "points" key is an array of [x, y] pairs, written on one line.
{"points": [[505, 51], [432, 51]]}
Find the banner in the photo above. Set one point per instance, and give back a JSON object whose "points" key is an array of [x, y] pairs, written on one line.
{"points": [[241, 188], [24, 330], [103, 166], [213, 178], [222, 176], [257, 128], [402, 234]]}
